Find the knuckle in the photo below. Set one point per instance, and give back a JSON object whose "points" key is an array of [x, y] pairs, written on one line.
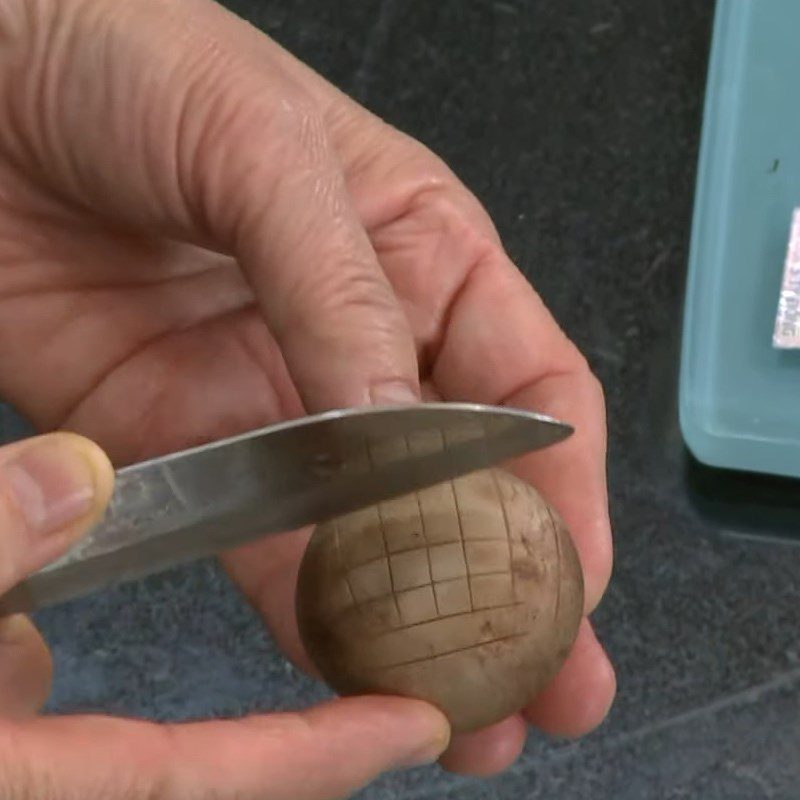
{"points": [[297, 123], [285, 125], [299, 151], [433, 188], [452, 219], [344, 289], [254, 146]]}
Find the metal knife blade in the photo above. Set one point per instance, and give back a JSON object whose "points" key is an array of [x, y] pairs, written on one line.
{"points": [[201, 501]]}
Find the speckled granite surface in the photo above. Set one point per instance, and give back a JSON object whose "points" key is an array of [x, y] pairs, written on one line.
{"points": [[577, 124]]}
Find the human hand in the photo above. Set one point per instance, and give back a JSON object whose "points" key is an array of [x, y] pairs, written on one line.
{"points": [[52, 489], [200, 235]]}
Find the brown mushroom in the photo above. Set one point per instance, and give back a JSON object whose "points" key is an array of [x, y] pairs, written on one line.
{"points": [[468, 595]]}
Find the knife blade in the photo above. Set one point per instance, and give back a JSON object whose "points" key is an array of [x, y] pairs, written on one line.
{"points": [[198, 502]]}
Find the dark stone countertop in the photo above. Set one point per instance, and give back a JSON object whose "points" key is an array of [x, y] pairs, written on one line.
{"points": [[577, 123]]}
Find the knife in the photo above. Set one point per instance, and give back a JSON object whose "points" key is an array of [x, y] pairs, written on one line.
{"points": [[198, 502]]}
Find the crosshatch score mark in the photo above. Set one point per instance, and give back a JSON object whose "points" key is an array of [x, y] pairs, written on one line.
{"points": [[383, 535], [502, 505], [433, 657]]}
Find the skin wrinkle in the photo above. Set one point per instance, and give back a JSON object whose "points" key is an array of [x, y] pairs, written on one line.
{"points": [[14, 22], [279, 126], [335, 294], [156, 118], [125, 358], [435, 343], [145, 422], [267, 393], [35, 117], [73, 320], [55, 60], [282, 411], [85, 289], [112, 28], [294, 122], [53, 224], [14, 140], [20, 200], [209, 60], [155, 115], [412, 196], [137, 264], [236, 120], [198, 137], [227, 292], [456, 331], [313, 137], [142, 349]]}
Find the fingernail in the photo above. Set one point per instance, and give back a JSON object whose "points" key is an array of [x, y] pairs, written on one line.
{"points": [[393, 393], [14, 630], [430, 751], [52, 483]]}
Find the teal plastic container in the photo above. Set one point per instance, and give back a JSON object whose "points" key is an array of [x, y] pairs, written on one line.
{"points": [[739, 397]]}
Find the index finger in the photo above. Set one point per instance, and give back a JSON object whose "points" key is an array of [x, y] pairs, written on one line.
{"points": [[500, 345]]}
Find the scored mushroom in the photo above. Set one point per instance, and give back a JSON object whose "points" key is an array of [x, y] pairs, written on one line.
{"points": [[468, 595]]}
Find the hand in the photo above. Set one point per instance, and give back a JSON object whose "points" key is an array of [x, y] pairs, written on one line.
{"points": [[51, 490], [199, 235]]}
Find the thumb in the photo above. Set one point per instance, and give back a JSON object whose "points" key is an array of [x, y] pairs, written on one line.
{"points": [[52, 488], [194, 128], [327, 752]]}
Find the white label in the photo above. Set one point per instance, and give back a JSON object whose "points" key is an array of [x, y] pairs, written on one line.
{"points": [[787, 323]]}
